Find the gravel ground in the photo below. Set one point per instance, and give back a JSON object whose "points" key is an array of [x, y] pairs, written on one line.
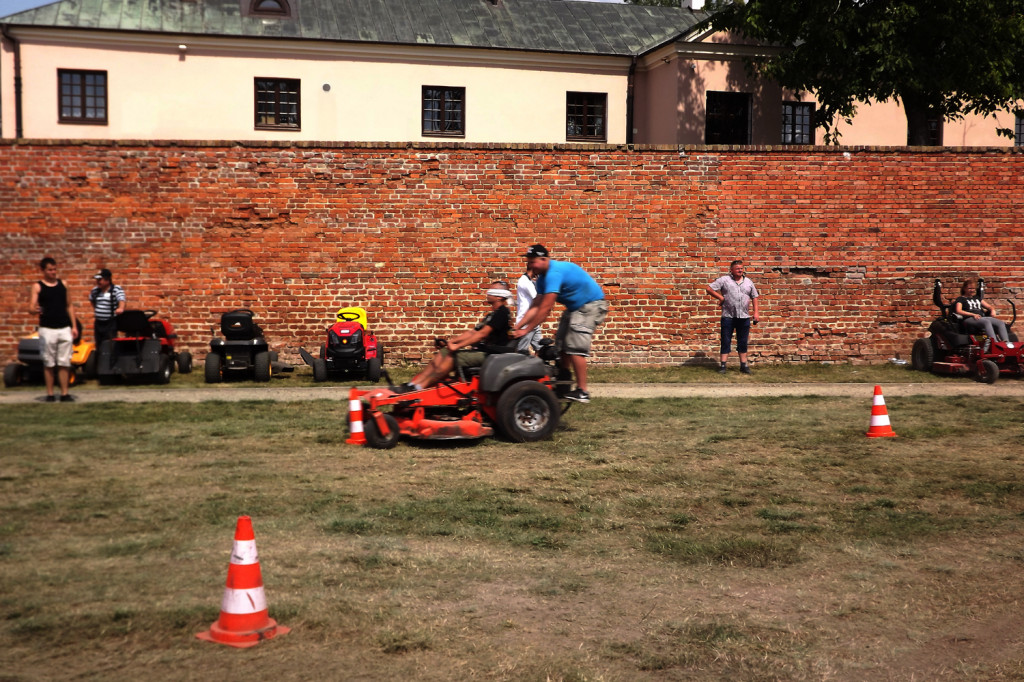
{"points": [[1009, 388]]}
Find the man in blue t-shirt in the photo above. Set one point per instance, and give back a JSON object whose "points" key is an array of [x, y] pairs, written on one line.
{"points": [[585, 309]]}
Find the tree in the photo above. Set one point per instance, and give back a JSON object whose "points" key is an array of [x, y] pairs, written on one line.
{"points": [[938, 58]]}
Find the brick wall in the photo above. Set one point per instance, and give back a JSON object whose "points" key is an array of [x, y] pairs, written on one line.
{"points": [[843, 243]]}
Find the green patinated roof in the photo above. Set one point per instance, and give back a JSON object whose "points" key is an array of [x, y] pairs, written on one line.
{"points": [[592, 28]]}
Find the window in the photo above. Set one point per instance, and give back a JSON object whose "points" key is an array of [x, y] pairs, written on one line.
{"points": [[279, 7], [277, 103], [83, 96], [585, 116], [1018, 131], [934, 132], [797, 123], [728, 118], [444, 111]]}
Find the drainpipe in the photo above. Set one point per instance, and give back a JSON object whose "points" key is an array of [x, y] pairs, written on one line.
{"points": [[18, 133], [629, 101]]}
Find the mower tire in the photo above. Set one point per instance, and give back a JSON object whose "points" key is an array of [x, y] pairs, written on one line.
{"points": [[185, 362], [527, 411], [375, 439], [90, 365], [922, 355], [211, 368], [319, 369], [12, 375], [989, 372], [373, 369], [163, 375], [1012, 337], [261, 366]]}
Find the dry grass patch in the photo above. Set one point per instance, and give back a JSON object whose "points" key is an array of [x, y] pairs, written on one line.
{"points": [[655, 539]]}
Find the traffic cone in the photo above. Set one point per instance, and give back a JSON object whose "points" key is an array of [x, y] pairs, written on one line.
{"points": [[880, 418], [243, 618], [355, 419]]}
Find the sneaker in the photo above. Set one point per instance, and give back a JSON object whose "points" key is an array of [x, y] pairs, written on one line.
{"points": [[67, 398], [721, 370], [404, 388], [745, 369], [50, 398], [578, 395]]}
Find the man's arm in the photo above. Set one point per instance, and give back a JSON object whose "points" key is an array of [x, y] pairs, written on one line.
{"points": [[717, 295], [468, 338], [33, 300], [535, 316], [122, 303], [756, 316]]}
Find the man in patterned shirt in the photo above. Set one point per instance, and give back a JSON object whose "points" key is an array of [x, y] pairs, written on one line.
{"points": [[108, 301], [735, 294]]}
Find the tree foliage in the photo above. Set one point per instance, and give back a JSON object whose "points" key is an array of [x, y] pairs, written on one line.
{"points": [[937, 58]]}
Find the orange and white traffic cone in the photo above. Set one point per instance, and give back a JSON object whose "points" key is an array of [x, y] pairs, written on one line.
{"points": [[243, 618], [355, 419], [880, 418]]}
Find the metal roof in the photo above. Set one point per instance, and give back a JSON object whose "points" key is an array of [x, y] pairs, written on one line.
{"points": [[591, 28]]}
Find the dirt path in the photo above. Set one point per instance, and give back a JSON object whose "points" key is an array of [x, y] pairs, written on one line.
{"points": [[1010, 388]]}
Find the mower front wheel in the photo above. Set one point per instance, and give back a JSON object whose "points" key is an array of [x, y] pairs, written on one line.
{"points": [[922, 355], [988, 372], [319, 370], [527, 412], [261, 366], [90, 365], [375, 439], [211, 368], [12, 375], [373, 369], [163, 376]]}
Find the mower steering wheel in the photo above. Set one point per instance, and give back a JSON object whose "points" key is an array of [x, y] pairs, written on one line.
{"points": [[149, 313], [348, 316], [243, 310]]}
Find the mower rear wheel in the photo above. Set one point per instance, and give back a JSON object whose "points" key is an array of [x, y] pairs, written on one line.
{"points": [[527, 412], [12, 375], [922, 355], [261, 366], [185, 362], [163, 376], [373, 369], [90, 365], [989, 372], [375, 439], [211, 368], [319, 369]]}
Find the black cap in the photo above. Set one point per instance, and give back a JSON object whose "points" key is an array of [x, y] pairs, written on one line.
{"points": [[537, 251], [103, 274]]}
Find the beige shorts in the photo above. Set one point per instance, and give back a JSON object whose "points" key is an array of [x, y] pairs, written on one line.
{"points": [[576, 328], [56, 346]]}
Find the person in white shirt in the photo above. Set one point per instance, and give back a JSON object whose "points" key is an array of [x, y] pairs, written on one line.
{"points": [[526, 291]]}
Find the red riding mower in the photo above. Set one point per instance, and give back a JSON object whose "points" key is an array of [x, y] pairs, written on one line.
{"points": [[29, 367], [952, 350], [144, 350], [510, 392], [351, 348]]}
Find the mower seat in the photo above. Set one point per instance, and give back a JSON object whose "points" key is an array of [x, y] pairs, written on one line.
{"points": [[134, 323], [951, 331], [238, 325]]}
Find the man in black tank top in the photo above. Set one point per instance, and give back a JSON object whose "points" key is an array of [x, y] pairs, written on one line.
{"points": [[57, 328]]}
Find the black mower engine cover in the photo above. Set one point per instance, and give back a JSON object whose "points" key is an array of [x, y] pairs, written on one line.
{"points": [[502, 369]]}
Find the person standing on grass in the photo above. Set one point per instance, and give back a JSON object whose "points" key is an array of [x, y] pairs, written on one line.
{"points": [[736, 295], [585, 309], [58, 328], [108, 301]]}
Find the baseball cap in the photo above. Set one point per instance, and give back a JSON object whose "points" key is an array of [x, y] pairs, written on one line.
{"points": [[537, 251], [103, 274]]}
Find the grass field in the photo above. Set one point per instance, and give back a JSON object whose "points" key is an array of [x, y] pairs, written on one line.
{"points": [[741, 539]]}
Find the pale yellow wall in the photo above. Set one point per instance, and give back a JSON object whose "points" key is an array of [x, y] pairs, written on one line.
{"points": [[206, 92]]}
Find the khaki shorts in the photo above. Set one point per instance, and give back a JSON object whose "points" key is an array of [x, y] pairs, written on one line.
{"points": [[56, 346], [467, 358], [576, 328]]}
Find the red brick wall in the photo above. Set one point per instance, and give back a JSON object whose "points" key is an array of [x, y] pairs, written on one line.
{"points": [[843, 243]]}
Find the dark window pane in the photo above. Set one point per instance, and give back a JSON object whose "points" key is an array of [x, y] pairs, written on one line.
{"points": [[797, 123], [1018, 131], [277, 103], [585, 116], [82, 96], [728, 118], [443, 111]]}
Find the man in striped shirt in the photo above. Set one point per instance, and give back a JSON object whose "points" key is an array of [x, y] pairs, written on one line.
{"points": [[108, 301]]}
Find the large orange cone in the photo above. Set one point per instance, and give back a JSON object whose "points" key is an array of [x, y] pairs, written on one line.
{"points": [[243, 618], [880, 418], [355, 419]]}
